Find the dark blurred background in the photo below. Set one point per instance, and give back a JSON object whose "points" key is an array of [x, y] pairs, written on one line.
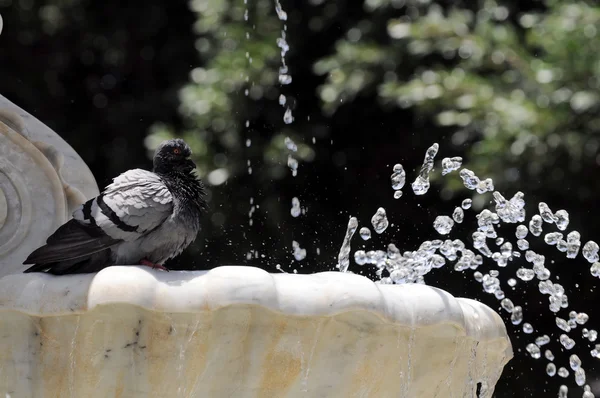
{"points": [[511, 86]]}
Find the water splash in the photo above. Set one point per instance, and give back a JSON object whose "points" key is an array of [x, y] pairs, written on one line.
{"points": [[344, 256], [421, 185], [392, 266]]}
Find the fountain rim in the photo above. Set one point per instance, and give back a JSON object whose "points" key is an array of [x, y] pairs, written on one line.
{"points": [[323, 294]]}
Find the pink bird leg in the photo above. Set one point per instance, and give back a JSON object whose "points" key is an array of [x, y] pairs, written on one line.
{"points": [[152, 265]]}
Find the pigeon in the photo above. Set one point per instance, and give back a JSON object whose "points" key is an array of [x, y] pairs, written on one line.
{"points": [[142, 218]]}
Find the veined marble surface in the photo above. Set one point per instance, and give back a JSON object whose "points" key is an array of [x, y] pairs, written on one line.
{"points": [[42, 180], [241, 332]]}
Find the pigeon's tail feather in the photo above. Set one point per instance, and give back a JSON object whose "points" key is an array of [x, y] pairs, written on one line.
{"points": [[72, 242], [82, 265]]}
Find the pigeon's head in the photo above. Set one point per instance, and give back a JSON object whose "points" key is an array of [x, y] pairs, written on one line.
{"points": [[173, 155]]}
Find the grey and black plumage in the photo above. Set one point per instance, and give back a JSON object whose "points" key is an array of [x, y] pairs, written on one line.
{"points": [[143, 217]]}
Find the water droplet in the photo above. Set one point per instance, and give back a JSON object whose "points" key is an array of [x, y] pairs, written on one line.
{"points": [[552, 238], [290, 144], [398, 177], [458, 215], [299, 253], [293, 165], [443, 225], [542, 340], [580, 377], [562, 219], [517, 315], [365, 233], [421, 184], [590, 251], [282, 99], [451, 164], [566, 341], [287, 116], [533, 350], [582, 318], [397, 194], [521, 232], [562, 324], [344, 255], [295, 210], [535, 225], [551, 369], [525, 274], [563, 391], [380, 221], [573, 244], [360, 257], [507, 305], [546, 213], [466, 204], [510, 211], [282, 15], [563, 372], [285, 79], [574, 362], [470, 180]]}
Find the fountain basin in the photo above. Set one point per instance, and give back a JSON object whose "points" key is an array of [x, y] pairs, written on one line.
{"points": [[242, 332]]}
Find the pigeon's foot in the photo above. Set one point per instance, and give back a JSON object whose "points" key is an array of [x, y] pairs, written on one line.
{"points": [[152, 265]]}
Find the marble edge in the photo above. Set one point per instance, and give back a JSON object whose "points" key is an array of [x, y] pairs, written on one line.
{"points": [[321, 294]]}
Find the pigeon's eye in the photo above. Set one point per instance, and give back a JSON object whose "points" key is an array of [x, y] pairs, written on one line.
{"points": [[176, 151]]}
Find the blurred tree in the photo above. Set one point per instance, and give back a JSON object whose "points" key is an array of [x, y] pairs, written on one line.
{"points": [[99, 73], [517, 82], [522, 85]]}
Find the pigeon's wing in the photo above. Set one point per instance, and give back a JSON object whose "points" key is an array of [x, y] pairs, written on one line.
{"points": [[137, 202], [72, 240]]}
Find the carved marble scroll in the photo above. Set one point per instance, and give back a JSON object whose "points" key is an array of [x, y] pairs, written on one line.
{"points": [[42, 179]]}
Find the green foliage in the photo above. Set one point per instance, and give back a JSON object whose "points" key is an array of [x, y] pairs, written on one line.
{"points": [[525, 92], [519, 87]]}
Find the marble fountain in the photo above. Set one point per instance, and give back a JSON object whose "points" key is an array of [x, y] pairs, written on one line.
{"points": [[229, 332], [232, 331]]}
